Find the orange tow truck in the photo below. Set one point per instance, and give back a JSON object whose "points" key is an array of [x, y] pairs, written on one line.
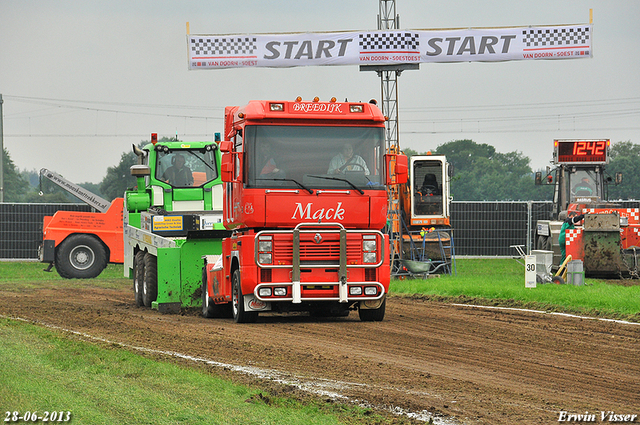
{"points": [[81, 244]]}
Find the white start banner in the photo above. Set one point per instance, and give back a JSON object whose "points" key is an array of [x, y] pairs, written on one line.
{"points": [[390, 47]]}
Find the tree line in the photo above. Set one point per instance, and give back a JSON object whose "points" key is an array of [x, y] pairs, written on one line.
{"points": [[481, 174]]}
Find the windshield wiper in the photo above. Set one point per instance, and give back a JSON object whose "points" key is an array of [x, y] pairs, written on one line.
{"points": [[292, 180], [341, 180]]}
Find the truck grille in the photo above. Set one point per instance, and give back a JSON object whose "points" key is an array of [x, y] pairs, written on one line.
{"points": [[325, 252]]}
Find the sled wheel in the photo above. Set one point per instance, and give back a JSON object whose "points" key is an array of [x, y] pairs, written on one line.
{"points": [[80, 257], [239, 313]]}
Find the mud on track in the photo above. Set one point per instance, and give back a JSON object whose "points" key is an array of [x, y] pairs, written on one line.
{"points": [[477, 366]]}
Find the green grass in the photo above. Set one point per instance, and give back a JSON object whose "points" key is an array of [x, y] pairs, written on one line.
{"points": [[501, 282], [25, 275], [48, 370], [44, 370]]}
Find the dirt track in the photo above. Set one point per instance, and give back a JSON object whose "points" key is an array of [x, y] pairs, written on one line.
{"points": [[470, 365]]}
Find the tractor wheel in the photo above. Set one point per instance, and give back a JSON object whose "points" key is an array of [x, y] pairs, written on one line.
{"points": [[239, 313], [150, 280], [558, 280], [81, 257], [376, 315], [544, 243], [138, 277]]}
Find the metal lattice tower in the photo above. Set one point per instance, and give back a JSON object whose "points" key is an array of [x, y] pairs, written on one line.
{"points": [[388, 19]]}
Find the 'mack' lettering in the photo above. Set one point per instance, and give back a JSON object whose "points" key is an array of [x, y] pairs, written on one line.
{"points": [[306, 212]]}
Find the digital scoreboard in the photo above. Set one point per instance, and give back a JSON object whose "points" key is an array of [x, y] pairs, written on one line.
{"points": [[582, 151]]}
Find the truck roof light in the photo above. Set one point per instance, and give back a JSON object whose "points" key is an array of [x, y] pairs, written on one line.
{"points": [[240, 115], [316, 99], [333, 99], [279, 107], [154, 138], [299, 99], [356, 108]]}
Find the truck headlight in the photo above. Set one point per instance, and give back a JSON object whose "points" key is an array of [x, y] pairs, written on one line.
{"points": [[279, 292], [265, 246], [369, 257], [355, 290], [369, 245], [264, 292], [264, 258], [370, 290], [369, 248]]}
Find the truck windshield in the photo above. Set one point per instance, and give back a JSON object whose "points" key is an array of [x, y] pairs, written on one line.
{"points": [[186, 167], [427, 190], [314, 157], [584, 183]]}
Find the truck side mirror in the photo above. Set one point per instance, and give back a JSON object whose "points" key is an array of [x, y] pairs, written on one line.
{"points": [[397, 168], [618, 177], [538, 178], [226, 146], [226, 166]]}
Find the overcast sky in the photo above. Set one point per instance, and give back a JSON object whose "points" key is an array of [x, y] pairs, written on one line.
{"points": [[83, 80]]}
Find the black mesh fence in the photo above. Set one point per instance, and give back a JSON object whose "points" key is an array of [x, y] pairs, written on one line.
{"points": [[21, 227], [480, 228], [490, 228]]}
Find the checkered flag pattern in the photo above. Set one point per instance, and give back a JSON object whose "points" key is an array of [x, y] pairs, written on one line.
{"points": [[571, 235], [555, 37], [223, 46], [385, 41]]}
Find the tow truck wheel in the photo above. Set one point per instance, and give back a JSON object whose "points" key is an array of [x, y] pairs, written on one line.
{"points": [[376, 315], [138, 277], [237, 300], [150, 280], [80, 257]]}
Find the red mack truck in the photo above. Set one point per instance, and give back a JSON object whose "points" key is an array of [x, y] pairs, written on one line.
{"points": [[305, 197]]}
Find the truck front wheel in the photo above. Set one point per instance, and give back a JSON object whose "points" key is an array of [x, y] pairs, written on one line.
{"points": [[80, 257], [377, 315], [239, 313], [150, 280]]}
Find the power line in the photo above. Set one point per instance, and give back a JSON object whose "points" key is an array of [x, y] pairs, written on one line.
{"points": [[59, 103], [546, 105]]}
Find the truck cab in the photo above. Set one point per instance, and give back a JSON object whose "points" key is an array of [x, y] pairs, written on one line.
{"points": [[305, 195]]}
